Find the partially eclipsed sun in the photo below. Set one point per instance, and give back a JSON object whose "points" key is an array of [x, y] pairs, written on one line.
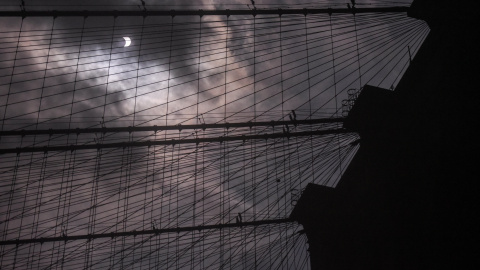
{"points": [[127, 41]]}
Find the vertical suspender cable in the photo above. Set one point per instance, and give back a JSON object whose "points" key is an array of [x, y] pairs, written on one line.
{"points": [[152, 209], [65, 172], [169, 72], [10, 204], [165, 134], [309, 97], [177, 216], [336, 101], [192, 256], [64, 219], [108, 69], [138, 68], [12, 74], [283, 141], [45, 74], [226, 144], [139, 55], [358, 52], [113, 261], [253, 150], [333, 66], [41, 182], [76, 75], [3, 123]]}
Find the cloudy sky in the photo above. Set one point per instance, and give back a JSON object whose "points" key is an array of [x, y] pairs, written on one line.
{"points": [[76, 72]]}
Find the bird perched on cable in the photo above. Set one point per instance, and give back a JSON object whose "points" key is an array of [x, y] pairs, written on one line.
{"points": [[143, 4], [353, 4], [294, 118]]}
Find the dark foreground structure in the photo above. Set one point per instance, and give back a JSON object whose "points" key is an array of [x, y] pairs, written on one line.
{"points": [[408, 200]]}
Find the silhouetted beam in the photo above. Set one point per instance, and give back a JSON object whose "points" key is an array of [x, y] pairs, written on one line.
{"points": [[173, 141], [226, 12], [160, 128], [145, 232]]}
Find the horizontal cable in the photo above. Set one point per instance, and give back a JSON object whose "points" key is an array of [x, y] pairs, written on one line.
{"points": [[200, 12], [173, 141], [145, 232], [156, 128]]}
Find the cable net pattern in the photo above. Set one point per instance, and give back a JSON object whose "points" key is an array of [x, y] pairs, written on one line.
{"points": [[69, 73]]}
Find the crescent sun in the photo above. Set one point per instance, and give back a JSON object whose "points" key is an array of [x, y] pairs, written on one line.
{"points": [[127, 41]]}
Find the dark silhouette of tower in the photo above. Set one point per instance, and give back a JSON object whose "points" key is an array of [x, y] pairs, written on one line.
{"points": [[408, 200]]}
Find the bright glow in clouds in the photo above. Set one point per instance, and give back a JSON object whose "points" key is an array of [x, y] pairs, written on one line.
{"points": [[127, 41]]}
